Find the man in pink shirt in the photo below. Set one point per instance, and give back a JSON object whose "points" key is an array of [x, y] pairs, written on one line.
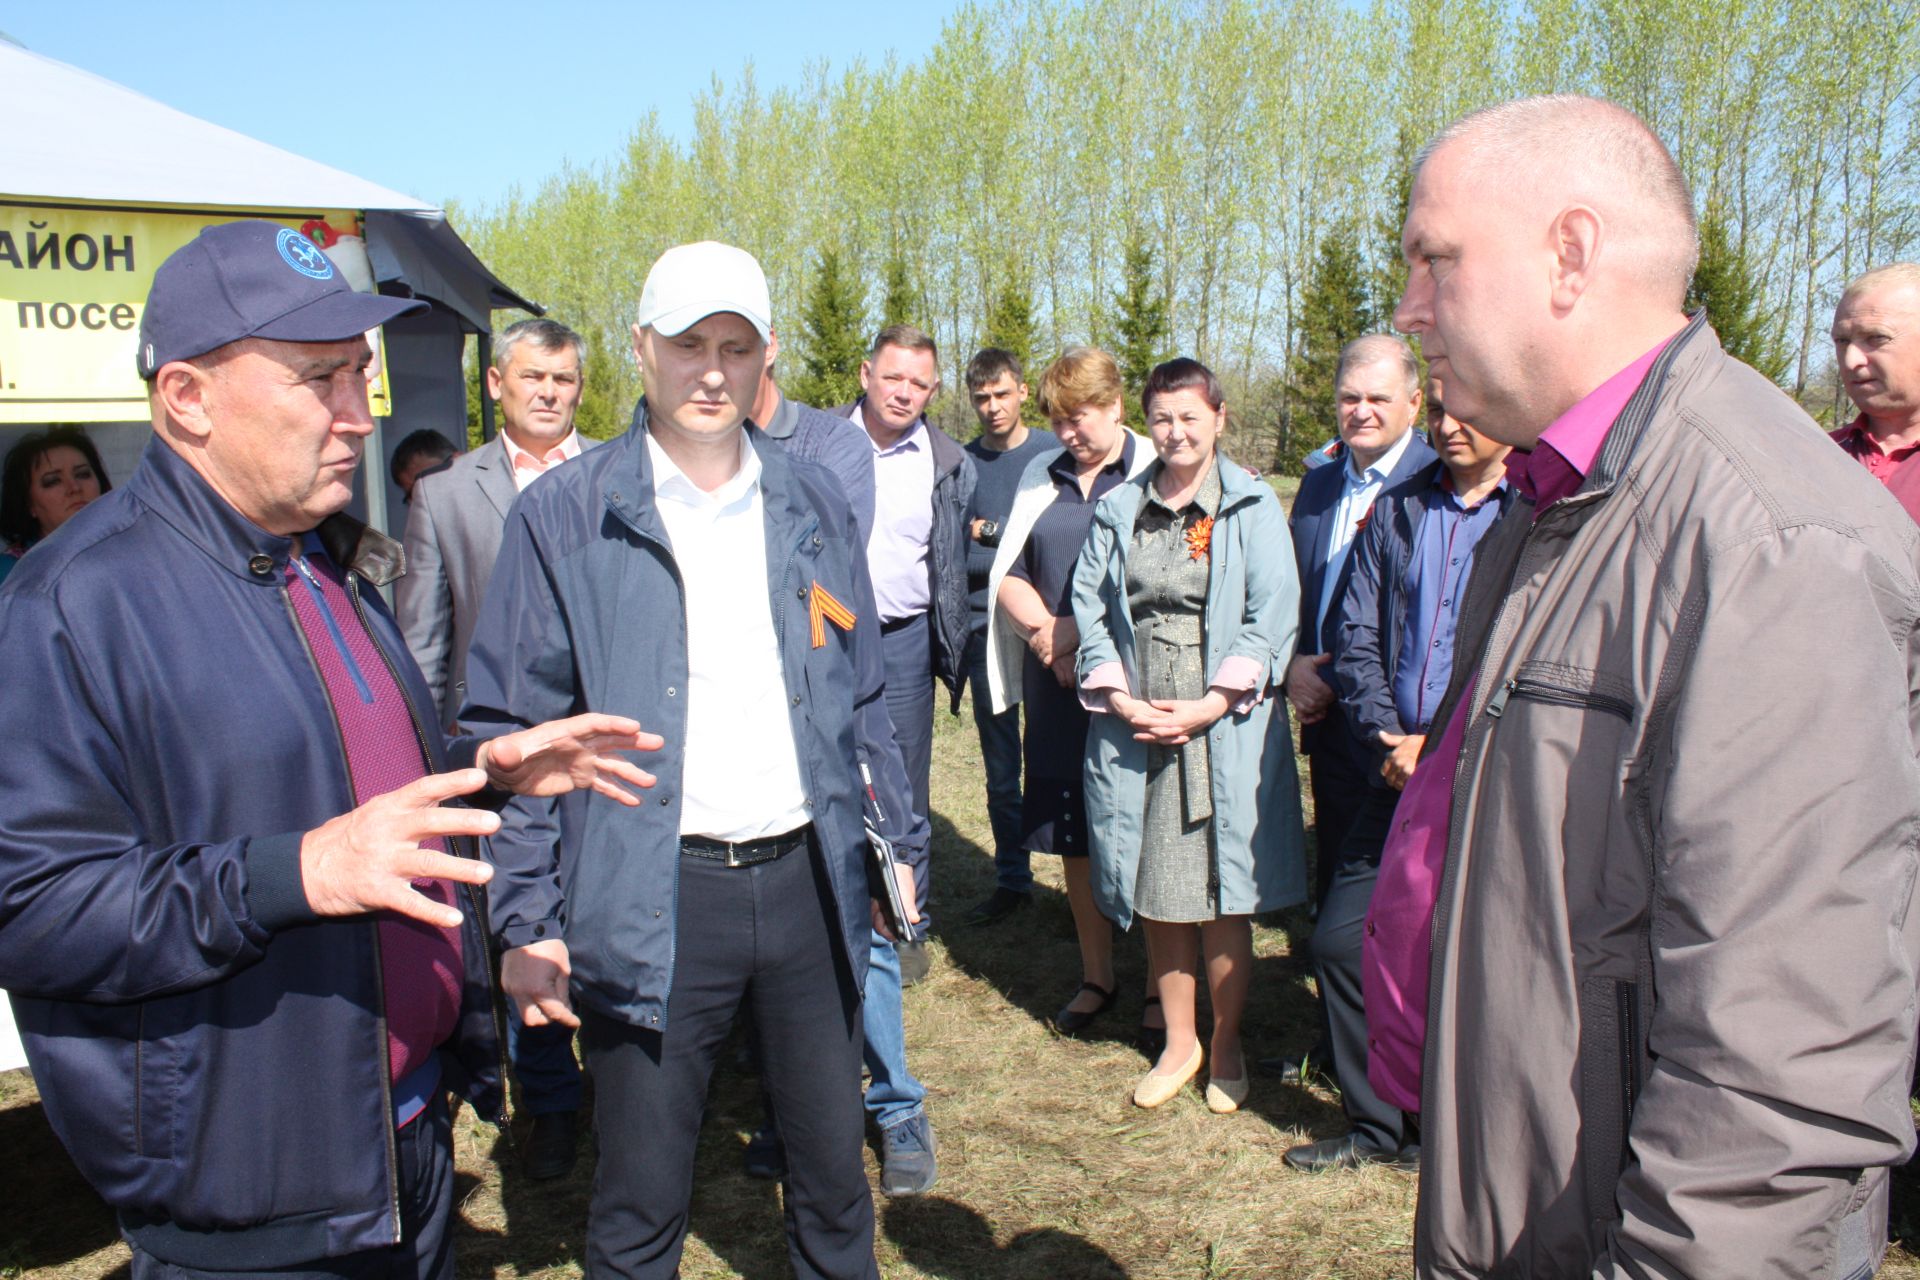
{"points": [[1876, 342], [1642, 951]]}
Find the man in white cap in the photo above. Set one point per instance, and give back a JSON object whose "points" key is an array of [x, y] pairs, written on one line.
{"points": [[695, 570]]}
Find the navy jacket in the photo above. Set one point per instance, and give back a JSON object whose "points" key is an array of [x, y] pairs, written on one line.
{"points": [[585, 613], [950, 613], [211, 1054], [1373, 615], [1311, 523]]}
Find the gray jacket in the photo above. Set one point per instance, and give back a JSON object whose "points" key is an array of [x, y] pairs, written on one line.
{"points": [[953, 480], [451, 541], [833, 442], [1672, 1009]]}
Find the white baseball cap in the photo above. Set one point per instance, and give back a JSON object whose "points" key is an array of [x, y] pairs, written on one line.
{"points": [[690, 282]]}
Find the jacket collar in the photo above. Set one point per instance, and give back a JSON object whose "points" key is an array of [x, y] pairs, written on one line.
{"points": [[630, 491], [1683, 354], [175, 492], [782, 423]]}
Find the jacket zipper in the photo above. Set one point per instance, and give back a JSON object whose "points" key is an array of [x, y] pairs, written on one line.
{"points": [[1557, 695], [1629, 1024], [380, 1013], [495, 997]]}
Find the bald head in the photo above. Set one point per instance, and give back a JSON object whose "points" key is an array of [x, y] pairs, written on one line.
{"points": [[1547, 152], [1549, 242]]}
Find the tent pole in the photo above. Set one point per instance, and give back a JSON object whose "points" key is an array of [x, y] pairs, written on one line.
{"points": [[484, 349]]}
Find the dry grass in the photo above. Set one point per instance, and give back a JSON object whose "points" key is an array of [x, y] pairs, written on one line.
{"points": [[1046, 1169]]}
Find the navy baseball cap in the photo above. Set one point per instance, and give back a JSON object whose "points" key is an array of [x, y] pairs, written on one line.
{"points": [[252, 279]]}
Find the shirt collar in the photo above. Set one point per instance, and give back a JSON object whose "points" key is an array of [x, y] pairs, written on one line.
{"points": [[1443, 481], [1857, 440], [525, 460], [1577, 434], [671, 483], [1382, 466], [1206, 498]]}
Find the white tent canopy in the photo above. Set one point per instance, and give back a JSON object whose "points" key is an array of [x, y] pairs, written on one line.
{"points": [[77, 136]]}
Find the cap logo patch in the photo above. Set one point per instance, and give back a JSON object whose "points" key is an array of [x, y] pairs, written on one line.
{"points": [[302, 255]]}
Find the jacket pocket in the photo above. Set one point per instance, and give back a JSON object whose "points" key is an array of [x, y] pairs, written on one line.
{"points": [[1611, 1074], [1558, 686]]}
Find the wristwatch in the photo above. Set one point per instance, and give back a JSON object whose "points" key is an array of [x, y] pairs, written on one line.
{"points": [[989, 533]]}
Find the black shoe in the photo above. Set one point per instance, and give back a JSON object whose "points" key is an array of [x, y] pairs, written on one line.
{"points": [[914, 961], [551, 1147], [766, 1156], [1300, 1069], [1345, 1152], [1071, 1020], [1002, 904], [1150, 1041]]}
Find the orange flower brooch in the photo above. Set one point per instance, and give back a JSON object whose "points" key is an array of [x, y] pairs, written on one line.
{"points": [[1200, 538]]}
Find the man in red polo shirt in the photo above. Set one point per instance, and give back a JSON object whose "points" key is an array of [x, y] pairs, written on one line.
{"points": [[1642, 950], [1876, 340]]}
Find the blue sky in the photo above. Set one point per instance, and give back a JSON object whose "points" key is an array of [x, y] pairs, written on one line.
{"points": [[457, 100]]}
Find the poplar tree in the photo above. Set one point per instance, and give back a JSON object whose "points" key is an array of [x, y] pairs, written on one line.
{"points": [[834, 324]]}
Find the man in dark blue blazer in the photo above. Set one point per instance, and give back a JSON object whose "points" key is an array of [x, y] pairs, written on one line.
{"points": [[1377, 386]]}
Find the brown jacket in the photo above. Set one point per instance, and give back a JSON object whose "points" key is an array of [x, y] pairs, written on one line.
{"points": [[1672, 1013]]}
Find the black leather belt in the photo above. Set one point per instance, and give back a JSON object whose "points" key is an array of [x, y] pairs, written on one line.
{"points": [[745, 853], [891, 625]]}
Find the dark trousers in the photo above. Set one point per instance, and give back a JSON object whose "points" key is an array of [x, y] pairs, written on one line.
{"points": [[1340, 788], [1337, 940], [766, 935], [1000, 752], [544, 1065], [908, 654], [424, 1150]]}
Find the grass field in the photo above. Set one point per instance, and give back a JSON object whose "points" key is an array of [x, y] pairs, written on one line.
{"points": [[1046, 1168]]}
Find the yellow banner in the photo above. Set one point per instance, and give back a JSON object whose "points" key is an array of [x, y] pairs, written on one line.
{"points": [[74, 281]]}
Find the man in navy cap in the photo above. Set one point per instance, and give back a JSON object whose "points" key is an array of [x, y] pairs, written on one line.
{"points": [[241, 923]]}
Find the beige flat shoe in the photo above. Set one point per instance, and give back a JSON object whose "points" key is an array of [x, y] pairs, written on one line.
{"points": [[1225, 1096], [1155, 1089]]}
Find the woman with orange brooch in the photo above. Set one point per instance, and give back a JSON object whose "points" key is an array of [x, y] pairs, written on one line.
{"points": [[1184, 596]]}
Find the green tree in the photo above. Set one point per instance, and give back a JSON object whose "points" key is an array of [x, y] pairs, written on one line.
{"points": [[834, 324], [1725, 284], [903, 303], [1011, 327], [604, 407], [1335, 308], [1141, 325]]}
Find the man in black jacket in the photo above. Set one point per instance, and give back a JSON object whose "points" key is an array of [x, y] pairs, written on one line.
{"points": [[917, 552], [1393, 656]]}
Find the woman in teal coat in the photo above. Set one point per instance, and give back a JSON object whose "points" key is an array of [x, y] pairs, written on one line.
{"points": [[1187, 601]]}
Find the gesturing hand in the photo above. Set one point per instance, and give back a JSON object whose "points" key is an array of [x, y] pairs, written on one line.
{"points": [[365, 859], [535, 978], [559, 756]]}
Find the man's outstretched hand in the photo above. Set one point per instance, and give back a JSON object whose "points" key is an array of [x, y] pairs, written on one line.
{"points": [[535, 979], [559, 756], [367, 858]]}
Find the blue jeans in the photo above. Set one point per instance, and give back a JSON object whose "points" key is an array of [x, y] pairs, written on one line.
{"points": [[543, 1063], [908, 653], [1000, 751], [893, 1095]]}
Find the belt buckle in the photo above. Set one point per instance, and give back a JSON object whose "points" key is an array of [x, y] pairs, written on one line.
{"points": [[733, 854]]}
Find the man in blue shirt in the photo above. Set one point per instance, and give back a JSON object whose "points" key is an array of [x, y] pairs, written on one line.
{"points": [[1393, 656], [997, 387]]}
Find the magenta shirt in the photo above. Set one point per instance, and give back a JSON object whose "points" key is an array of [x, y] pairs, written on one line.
{"points": [[1396, 952], [1898, 469]]}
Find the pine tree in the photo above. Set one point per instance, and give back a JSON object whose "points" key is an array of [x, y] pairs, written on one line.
{"points": [[1141, 324], [835, 327], [902, 303], [1334, 310], [1011, 327], [1390, 279], [1724, 283]]}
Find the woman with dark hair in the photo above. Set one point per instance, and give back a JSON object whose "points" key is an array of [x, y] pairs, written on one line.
{"points": [[48, 476], [1185, 597]]}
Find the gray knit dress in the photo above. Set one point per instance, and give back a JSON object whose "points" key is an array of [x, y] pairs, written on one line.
{"points": [[1167, 598]]}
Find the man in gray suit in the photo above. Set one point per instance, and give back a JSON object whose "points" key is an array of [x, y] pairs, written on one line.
{"points": [[454, 523]]}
